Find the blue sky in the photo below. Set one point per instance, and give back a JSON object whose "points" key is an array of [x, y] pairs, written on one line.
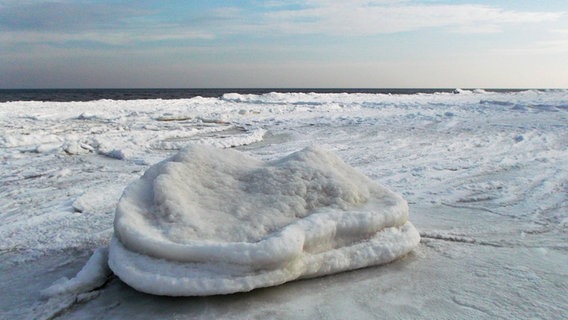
{"points": [[317, 43]]}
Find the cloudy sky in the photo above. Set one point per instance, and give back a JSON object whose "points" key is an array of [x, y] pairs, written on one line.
{"points": [[315, 43]]}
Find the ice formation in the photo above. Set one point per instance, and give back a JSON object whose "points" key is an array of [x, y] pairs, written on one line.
{"points": [[94, 274], [211, 221], [485, 174]]}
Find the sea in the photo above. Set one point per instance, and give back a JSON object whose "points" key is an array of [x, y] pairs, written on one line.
{"points": [[67, 95]]}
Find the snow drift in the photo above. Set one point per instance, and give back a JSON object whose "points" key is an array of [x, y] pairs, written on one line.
{"points": [[210, 221]]}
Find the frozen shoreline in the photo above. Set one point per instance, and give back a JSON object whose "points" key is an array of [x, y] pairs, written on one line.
{"points": [[484, 174]]}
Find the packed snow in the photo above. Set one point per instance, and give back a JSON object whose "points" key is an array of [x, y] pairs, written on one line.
{"points": [[484, 174], [210, 221]]}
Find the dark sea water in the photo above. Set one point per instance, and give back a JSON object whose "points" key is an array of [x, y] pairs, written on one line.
{"points": [[133, 94]]}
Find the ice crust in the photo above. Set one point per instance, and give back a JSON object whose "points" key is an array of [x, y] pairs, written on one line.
{"points": [[210, 221], [94, 274], [484, 174]]}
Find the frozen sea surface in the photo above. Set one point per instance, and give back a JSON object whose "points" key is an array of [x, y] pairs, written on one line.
{"points": [[484, 173]]}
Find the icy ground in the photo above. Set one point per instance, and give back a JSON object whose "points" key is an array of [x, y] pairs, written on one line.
{"points": [[485, 175]]}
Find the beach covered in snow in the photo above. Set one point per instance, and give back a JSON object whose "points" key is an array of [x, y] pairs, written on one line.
{"points": [[484, 175]]}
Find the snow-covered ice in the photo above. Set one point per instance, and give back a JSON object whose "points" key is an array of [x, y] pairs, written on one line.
{"points": [[484, 174], [94, 274], [211, 221]]}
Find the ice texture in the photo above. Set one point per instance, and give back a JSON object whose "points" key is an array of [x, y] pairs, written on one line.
{"points": [[93, 274], [211, 221], [484, 174]]}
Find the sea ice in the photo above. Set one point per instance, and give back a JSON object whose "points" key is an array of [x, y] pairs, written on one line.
{"points": [[491, 210], [94, 274], [211, 221]]}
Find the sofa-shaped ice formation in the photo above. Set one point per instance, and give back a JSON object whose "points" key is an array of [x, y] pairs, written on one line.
{"points": [[210, 221]]}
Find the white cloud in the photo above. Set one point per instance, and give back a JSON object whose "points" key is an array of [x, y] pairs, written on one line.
{"points": [[127, 26], [538, 48], [61, 22], [380, 17], [115, 38]]}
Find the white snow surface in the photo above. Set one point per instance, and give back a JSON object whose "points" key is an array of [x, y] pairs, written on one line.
{"points": [[211, 221], [484, 175]]}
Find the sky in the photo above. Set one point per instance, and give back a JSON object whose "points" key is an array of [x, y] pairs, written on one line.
{"points": [[284, 44]]}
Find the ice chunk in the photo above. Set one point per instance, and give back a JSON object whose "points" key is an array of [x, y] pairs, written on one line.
{"points": [[94, 274], [211, 221]]}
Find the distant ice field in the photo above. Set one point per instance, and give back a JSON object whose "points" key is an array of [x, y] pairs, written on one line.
{"points": [[485, 174]]}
